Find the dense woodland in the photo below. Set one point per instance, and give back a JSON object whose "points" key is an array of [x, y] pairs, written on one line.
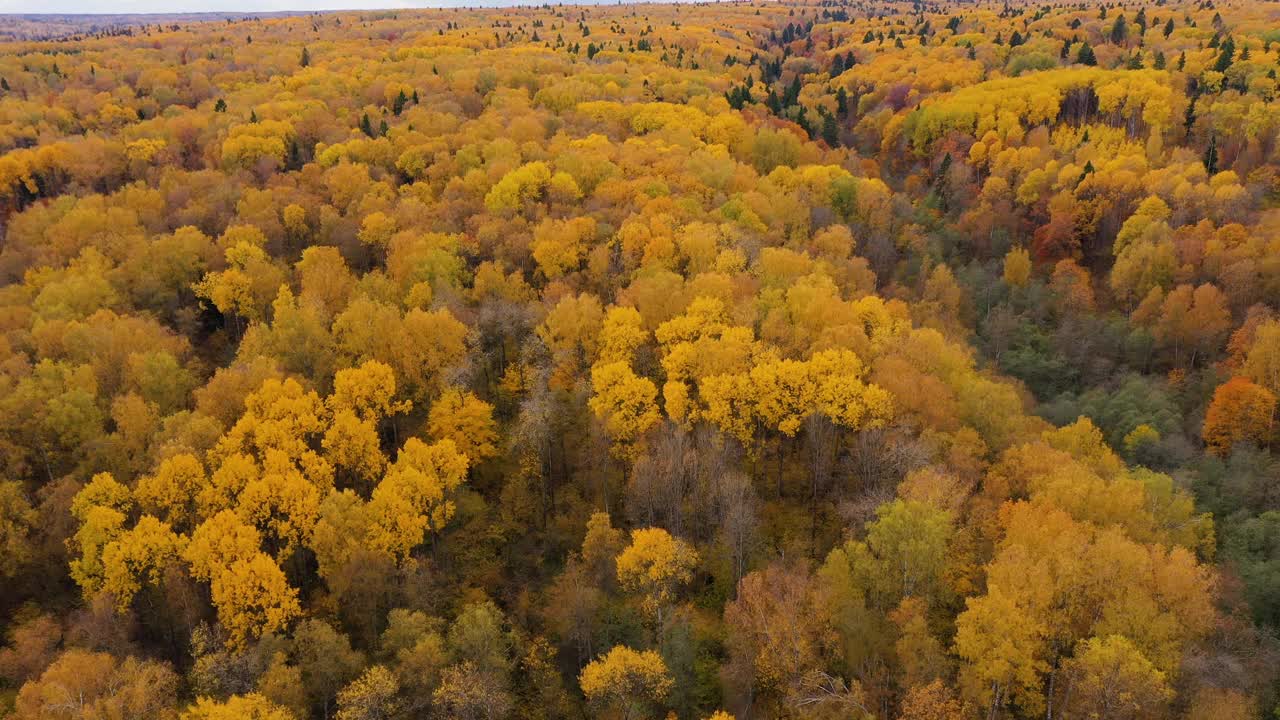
{"points": [[47, 26], [748, 360]]}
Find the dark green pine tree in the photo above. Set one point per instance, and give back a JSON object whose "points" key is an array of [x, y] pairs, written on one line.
{"points": [[366, 127], [306, 58], [1119, 31], [1085, 56], [830, 130], [1088, 170], [1226, 56], [941, 180], [773, 103], [943, 168], [792, 94], [802, 119]]}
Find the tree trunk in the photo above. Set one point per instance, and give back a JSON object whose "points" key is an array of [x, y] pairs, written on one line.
{"points": [[780, 437]]}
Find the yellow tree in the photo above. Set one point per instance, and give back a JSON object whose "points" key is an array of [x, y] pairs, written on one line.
{"points": [[1262, 363], [282, 504], [432, 341], [785, 394], [253, 597], [570, 331], [102, 490], [697, 346], [138, 558], [99, 526], [525, 184], [376, 229], [1017, 267], [280, 422], [842, 395], [341, 532], [467, 421], [372, 696], [226, 483], [626, 682], [237, 707], [353, 446], [171, 491], [558, 245], [248, 285], [367, 391], [625, 402], [1110, 677], [600, 548], [362, 397], [621, 335], [218, 543], [655, 565], [323, 277], [1003, 647], [1192, 321], [730, 404], [415, 496], [1056, 581]]}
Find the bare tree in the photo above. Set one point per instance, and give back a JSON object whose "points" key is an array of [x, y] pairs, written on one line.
{"points": [[662, 479], [823, 442], [736, 506]]}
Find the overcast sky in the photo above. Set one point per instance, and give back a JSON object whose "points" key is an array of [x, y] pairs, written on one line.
{"points": [[124, 7]]}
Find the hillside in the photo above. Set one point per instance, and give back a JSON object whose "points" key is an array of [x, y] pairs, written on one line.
{"points": [[858, 360]]}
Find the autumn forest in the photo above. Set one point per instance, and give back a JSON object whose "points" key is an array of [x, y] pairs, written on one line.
{"points": [[757, 360]]}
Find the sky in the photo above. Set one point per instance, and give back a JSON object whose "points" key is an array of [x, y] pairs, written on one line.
{"points": [[125, 7]]}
